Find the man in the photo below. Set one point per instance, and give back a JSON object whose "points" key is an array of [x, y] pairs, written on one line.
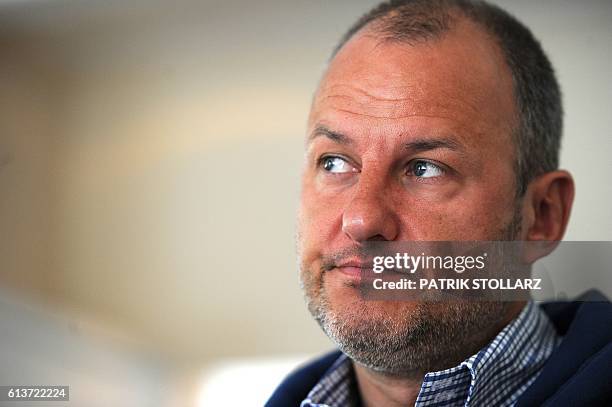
{"points": [[439, 121]]}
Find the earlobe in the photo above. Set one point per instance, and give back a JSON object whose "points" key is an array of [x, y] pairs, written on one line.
{"points": [[551, 197]]}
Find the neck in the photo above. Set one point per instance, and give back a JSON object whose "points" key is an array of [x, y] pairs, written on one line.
{"points": [[382, 389]]}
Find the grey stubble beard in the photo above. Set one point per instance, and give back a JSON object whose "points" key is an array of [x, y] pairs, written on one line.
{"points": [[424, 337]]}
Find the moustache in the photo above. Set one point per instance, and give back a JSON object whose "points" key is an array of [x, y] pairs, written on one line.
{"points": [[342, 256]]}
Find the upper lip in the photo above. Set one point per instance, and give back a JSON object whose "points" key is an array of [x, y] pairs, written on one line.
{"points": [[354, 263], [364, 265]]}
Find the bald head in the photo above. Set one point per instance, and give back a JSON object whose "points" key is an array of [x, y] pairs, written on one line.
{"points": [[459, 74], [537, 136]]}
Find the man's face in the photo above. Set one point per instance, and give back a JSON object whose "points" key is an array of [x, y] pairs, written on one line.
{"points": [[404, 143]]}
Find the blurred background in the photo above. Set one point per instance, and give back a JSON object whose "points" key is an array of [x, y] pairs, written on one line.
{"points": [[149, 175]]}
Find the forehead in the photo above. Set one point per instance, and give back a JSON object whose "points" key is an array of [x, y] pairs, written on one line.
{"points": [[460, 79]]}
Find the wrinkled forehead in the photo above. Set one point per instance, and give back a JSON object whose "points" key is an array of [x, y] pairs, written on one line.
{"points": [[461, 76]]}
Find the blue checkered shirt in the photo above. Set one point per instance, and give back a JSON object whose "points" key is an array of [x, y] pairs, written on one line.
{"points": [[496, 375]]}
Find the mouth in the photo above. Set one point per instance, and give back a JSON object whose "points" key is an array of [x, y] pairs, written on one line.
{"points": [[359, 271], [351, 271], [352, 268]]}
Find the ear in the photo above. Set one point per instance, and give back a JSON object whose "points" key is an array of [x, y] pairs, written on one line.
{"points": [[546, 208]]}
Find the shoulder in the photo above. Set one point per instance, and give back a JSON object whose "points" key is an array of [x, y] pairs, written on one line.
{"points": [[296, 386], [578, 372]]}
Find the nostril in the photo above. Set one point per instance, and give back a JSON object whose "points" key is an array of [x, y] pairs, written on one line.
{"points": [[377, 238]]}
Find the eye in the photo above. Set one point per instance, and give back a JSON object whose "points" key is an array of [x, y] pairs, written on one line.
{"points": [[424, 169], [336, 165]]}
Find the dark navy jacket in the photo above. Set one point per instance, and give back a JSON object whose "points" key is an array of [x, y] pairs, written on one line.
{"points": [[578, 373]]}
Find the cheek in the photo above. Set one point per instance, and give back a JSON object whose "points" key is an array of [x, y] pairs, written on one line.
{"points": [[319, 220], [479, 215], [311, 220]]}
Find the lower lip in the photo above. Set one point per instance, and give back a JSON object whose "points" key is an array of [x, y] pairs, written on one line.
{"points": [[354, 272]]}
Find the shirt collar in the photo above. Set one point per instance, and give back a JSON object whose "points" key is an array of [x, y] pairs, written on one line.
{"points": [[513, 358], [335, 387]]}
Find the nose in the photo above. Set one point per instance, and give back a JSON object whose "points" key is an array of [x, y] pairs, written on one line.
{"points": [[368, 217]]}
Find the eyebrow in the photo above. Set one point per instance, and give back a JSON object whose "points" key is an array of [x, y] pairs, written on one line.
{"points": [[414, 146], [332, 135], [420, 145]]}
